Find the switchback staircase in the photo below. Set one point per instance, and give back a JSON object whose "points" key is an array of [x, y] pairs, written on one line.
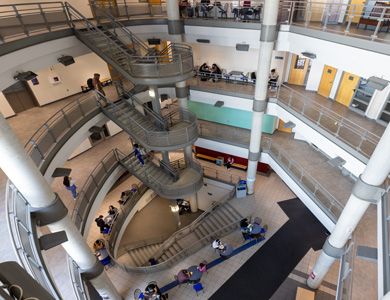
{"points": [[217, 221], [115, 44], [167, 182], [176, 130]]}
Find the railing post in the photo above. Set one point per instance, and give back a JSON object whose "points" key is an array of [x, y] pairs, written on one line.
{"points": [[319, 118], [127, 12], [339, 127], [291, 13], [66, 118], [327, 17], [44, 17], [378, 26], [304, 106], [49, 131], [308, 16], [351, 16], [290, 100], [19, 17], [79, 105]]}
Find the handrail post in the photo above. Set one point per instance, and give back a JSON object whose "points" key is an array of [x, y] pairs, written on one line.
{"points": [[308, 15], [291, 13], [378, 26], [351, 16], [44, 17], [19, 17], [66, 118], [327, 17]]}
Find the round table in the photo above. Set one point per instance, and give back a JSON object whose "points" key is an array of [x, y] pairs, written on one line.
{"points": [[108, 219], [255, 229], [196, 274], [228, 250]]}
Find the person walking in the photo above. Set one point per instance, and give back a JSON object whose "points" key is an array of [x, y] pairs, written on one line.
{"points": [[69, 185], [138, 154]]}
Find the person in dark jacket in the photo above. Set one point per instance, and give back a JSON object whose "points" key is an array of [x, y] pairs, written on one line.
{"points": [[100, 223]]}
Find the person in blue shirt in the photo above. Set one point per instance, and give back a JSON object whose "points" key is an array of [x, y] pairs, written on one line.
{"points": [[138, 154]]}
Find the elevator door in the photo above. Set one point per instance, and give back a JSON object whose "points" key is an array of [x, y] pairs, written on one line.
{"points": [[20, 97]]}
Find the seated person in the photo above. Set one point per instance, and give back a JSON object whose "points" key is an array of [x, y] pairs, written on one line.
{"points": [[152, 290], [253, 75], [215, 69], [184, 206], [204, 68], [216, 244], [273, 78], [202, 267], [183, 276], [244, 224], [246, 9], [100, 223]]}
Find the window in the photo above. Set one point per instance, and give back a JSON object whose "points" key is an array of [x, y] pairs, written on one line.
{"points": [[300, 62]]}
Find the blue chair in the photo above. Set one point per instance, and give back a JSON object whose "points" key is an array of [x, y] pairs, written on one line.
{"points": [[223, 11], [106, 261], [106, 230], [137, 294], [257, 221], [198, 287]]}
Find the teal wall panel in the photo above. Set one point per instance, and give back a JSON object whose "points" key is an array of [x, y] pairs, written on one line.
{"points": [[229, 116]]}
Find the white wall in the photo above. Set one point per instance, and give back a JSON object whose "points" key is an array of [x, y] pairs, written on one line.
{"points": [[229, 101], [212, 191], [84, 146], [315, 75], [72, 78], [38, 57], [336, 83], [339, 56], [5, 108]]}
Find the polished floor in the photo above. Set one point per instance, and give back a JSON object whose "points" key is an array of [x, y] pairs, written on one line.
{"points": [[262, 203]]}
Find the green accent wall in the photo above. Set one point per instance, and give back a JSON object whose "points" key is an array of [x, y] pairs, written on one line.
{"points": [[229, 116]]}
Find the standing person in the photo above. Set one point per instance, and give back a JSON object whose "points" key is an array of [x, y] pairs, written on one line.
{"points": [[229, 162], [138, 154], [97, 85], [70, 186]]}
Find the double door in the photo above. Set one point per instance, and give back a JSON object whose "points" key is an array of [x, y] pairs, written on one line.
{"points": [[20, 97]]}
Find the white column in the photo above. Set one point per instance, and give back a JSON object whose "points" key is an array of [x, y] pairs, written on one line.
{"points": [[182, 101], [173, 10], [375, 173], [155, 98], [193, 199], [267, 41], [23, 173], [188, 154]]}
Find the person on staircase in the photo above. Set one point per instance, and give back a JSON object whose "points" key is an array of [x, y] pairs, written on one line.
{"points": [[138, 154]]}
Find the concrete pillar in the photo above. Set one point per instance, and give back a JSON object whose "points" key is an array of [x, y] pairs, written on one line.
{"points": [[188, 155], [364, 192], [155, 98], [175, 25], [182, 94], [193, 199], [175, 212], [23, 173], [165, 157], [377, 102], [267, 40]]}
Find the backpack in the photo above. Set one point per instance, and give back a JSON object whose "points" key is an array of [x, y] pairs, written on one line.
{"points": [[90, 84]]}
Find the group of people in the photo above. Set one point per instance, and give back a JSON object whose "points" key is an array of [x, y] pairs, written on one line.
{"points": [[108, 220], [209, 72], [184, 206], [184, 275], [224, 249]]}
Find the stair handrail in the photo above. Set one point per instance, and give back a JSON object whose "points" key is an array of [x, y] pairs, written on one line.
{"points": [[173, 173], [122, 249], [118, 25], [149, 111], [130, 121], [191, 227]]}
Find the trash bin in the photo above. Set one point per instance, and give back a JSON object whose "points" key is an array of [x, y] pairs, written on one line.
{"points": [[241, 189]]}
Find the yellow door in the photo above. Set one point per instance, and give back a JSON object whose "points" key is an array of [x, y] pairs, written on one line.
{"points": [[316, 12], [346, 89], [358, 10], [298, 70], [282, 128], [327, 81]]}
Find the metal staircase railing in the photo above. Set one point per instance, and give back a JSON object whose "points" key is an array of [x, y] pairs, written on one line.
{"points": [[150, 130], [161, 178], [108, 22], [150, 69]]}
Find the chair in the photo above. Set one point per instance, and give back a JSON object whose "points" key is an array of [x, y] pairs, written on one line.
{"points": [[264, 230], [246, 236], [375, 15], [137, 293], [223, 11], [198, 287], [257, 221], [205, 263], [178, 283], [106, 261], [106, 231]]}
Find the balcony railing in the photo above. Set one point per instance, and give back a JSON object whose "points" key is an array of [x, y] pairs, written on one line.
{"points": [[350, 133]]}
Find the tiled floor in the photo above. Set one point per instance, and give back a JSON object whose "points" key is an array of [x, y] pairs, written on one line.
{"points": [[262, 203]]}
